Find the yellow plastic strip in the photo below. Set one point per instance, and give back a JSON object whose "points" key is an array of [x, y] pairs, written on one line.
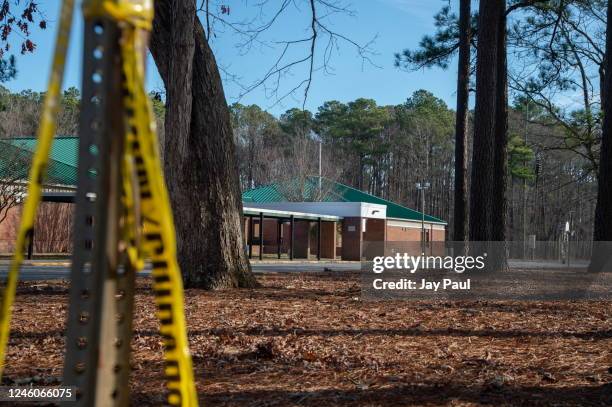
{"points": [[159, 241], [46, 132], [130, 227], [139, 13]]}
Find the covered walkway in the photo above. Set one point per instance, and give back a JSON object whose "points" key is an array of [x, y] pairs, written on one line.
{"points": [[294, 234]]}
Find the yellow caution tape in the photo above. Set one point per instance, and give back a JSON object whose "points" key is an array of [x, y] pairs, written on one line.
{"points": [[158, 241], [155, 239], [46, 132], [137, 13], [130, 226], [158, 235]]}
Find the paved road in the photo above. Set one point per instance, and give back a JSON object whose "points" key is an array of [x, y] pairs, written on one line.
{"points": [[53, 270], [547, 264], [47, 270]]}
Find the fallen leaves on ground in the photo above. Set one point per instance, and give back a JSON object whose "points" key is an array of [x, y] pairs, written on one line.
{"points": [[308, 339]]}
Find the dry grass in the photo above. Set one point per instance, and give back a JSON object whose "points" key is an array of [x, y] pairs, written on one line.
{"points": [[307, 339]]}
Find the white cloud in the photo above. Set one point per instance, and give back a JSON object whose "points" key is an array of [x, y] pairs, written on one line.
{"points": [[422, 10]]}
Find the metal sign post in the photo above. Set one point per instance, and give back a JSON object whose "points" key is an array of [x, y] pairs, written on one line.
{"points": [[101, 293], [123, 215]]}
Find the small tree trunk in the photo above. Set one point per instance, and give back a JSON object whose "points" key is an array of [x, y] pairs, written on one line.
{"points": [[487, 210], [602, 233], [500, 174], [461, 124], [199, 157], [482, 190]]}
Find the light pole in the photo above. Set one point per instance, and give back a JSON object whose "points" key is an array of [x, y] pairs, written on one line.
{"points": [[525, 188], [422, 187], [320, 148], [570, 227]]}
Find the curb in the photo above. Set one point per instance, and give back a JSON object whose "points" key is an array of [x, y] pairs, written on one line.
{"points": [[300, 261], [41, 264]]}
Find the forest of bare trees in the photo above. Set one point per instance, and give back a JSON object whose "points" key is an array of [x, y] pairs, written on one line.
{"points": [[387, 151]]}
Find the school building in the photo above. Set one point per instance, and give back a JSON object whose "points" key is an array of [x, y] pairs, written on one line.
{"points": [[340, 225]]}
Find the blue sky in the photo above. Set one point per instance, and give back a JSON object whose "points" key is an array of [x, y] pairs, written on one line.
{"points": [[395, 25]]}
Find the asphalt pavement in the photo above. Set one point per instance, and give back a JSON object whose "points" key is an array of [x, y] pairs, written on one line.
{"points": [[60, 269], [57, 270]]}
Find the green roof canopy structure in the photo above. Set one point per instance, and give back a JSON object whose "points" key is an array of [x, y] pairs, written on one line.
{"points": [[62, 168], [63, 171], [331, 191]]}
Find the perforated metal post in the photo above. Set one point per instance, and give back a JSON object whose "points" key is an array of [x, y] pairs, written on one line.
{"points": [[99, 320], [80, 366], [123, 216]]}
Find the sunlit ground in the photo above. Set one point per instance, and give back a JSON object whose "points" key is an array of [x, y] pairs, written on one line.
{"points": [[308, 339]]}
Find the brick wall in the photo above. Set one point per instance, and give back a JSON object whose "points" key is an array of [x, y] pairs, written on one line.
{"points": [[408, 239], [52, 230], [409, 234], [301, 243], [8, 230], [270, 236], [351, 239], [397, 234], [375, 230], [328, 240]]}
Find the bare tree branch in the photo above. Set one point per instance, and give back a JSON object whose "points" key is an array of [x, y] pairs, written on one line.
{"points": [[288, 59]]}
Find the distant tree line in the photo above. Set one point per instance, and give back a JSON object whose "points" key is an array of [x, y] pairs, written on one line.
{"points": [[549, 57], [554, 158], [20, 112], [386, 150]]}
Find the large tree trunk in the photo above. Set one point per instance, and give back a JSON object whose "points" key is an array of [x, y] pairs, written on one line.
{"points": [[602, 233], [461, 124], [200, 167]]}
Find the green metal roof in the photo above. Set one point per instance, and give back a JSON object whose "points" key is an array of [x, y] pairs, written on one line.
{"points": [[332, 192], [63, 159]]}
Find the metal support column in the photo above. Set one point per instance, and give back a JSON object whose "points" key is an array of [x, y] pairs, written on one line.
{"points": [[261, 235], [89, 261], [279, 229], [318, 238], [101, 294], [250, 237], [292, 219]]}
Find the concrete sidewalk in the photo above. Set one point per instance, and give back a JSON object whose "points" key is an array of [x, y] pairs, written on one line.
{"points": [[39, 263], [67, 262], [57, 270], [41, 269], [513, 263]]}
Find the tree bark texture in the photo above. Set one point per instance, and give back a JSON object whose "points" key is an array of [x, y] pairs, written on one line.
{"points": [[488, 181], [500, 172], [199, 163], [485, 115], [602, 232], [461, 124]]}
